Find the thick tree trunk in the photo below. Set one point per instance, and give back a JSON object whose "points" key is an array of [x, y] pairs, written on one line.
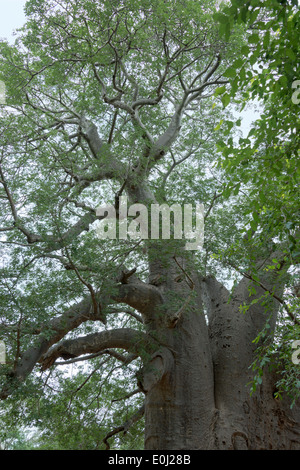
{"points": [[201, 399], [179, 408]]}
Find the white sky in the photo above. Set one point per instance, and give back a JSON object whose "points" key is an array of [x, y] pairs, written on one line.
{"points": [[11, 17]]}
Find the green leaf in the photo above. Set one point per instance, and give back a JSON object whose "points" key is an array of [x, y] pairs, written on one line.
{"points": [[266, 39], [253, 225], [254, 38], [230, 72], [290, 53], [245, 50], [238, 63], [220, 90], [255, 217], [237, 189], [221, 18], [225, 100], [219, 125]]}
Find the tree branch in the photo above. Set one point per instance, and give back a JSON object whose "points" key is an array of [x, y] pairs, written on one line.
{"points": [[125, 427], [31, 237], [129, 395], [56, 329], [123, 338], [269, 291], [125, 359]]}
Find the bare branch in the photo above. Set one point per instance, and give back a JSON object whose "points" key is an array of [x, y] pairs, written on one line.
{"points": [[31, 237], [125, 427], [122, 338], [124, 359], [97, 306], [110, 138], [129, 395], [215, 197], [127, 311], [269, 291]]}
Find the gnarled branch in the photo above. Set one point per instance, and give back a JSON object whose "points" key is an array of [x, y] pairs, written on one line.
{"points": [[123, 338]]}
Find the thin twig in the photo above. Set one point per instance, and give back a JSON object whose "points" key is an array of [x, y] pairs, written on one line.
{"points": [[96, 305], [129, 395], [275, 296], [125, 427]]}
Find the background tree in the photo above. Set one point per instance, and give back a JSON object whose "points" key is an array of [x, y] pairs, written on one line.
{"points": [[108, 99], [267, 160]]}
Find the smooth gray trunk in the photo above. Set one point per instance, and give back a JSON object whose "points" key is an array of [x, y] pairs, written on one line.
{"points": [[202, 397]]}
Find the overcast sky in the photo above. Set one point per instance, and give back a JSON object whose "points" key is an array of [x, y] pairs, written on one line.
{"points": [[11, 17]]}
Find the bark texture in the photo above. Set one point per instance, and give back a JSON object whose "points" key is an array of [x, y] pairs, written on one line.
{"points": [[203, 399], [243, 421]]}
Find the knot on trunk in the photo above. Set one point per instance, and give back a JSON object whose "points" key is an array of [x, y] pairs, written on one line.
{"points": [[239, 441], [157, 367], [125, 275]]}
